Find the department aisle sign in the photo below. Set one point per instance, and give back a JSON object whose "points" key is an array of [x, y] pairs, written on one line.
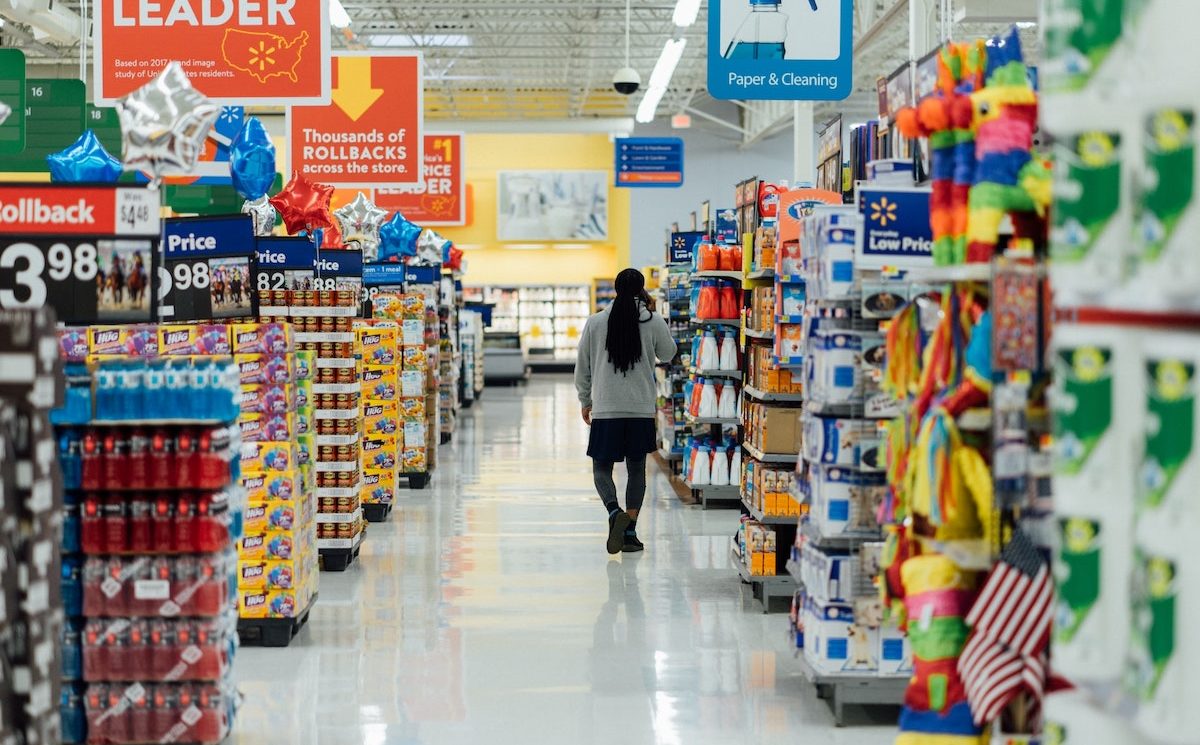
{"points": [[649, 162], [795, 50], [896, 232], [370, 136], [271, 52]]}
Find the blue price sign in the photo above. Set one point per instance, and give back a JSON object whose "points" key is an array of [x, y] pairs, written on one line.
{"points": [[208, 269], [384, 275], [896, 230], [285, 264], [795, 50], [649, 162], [682, 245]]}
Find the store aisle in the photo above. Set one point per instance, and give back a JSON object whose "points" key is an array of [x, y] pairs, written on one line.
{"points": [[487, 611]]}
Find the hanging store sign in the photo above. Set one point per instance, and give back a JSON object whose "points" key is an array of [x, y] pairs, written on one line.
{"points": [[896, 232], [208, 269], [370, 135], [795, 50], [442, 199], [272, 52], [682, 245], [654, 162], [83, 251]]}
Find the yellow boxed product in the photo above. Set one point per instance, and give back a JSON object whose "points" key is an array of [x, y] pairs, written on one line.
{"points": [[412, 383], [412, 407], [267, 398], [305, 363], [380, 382], [270, 574], [769, 552], [379, 345], [268, 456], [415, 357], [261, 338], [261, 428], [269, 544], [415, 460], [271, 603], [274, 514], [195, 338], [380, 419], [378, 486], [412, 333], [121, 341], [304, 420], [306, 448], [265, 368], [379, 452], [304, 393], [413, 305]]}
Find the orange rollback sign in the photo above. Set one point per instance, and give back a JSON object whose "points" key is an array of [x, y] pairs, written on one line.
{"points": [[370, 135], [270, 52], [441, 200]]}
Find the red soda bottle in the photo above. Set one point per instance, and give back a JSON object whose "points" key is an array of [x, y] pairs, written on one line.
{"points": [[138, 652], [141, 715], [140, 528], [118, 717], [116, 459], [116, 530], [163, 524], [161, 460], [213, 470], [203, 533], [185, 642], [160, 570], [211, 725], [94, 600], [160, 660], [91, 529], [207, 656], [92, 468], [139, 459], [96, 703], [185, 523], [165, 712], [95, 654], [185, 459]]}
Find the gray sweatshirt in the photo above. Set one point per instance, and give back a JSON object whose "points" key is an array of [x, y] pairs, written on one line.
{"points": [[618, 395]]}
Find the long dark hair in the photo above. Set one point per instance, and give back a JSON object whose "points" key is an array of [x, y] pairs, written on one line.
{"points": [[624, 340]]}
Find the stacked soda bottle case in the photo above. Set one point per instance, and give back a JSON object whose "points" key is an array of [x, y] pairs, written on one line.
{"points": [[277, 556], [31, 510], [418, 402], [378, 345], [160, 510]]}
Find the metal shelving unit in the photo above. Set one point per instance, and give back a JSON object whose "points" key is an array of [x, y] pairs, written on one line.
{"points": [[764, 588], [716, 321], [760, 456], [725, 496], [765, 519], [764, 396], [864, 689]]}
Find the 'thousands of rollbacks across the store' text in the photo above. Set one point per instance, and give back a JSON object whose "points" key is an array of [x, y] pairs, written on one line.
{"points": [[787, 79], [359, 152]]}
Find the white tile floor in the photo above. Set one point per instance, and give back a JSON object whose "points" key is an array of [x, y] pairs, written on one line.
{"points": [[487, 611]]}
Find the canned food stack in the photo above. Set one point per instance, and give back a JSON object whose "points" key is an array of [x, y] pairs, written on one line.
{"points": [[160, 510], [31, 512], [324, 322], [277, 557], [378, 343], [417, 403]]}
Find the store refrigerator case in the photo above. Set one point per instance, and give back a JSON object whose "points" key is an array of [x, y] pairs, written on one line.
{"points": [[504, 358]]}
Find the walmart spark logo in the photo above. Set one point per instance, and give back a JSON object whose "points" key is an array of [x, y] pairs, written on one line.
{"points": [[883, 212]]}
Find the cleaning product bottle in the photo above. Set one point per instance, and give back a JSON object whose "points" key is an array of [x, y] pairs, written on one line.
{"points": [[735, 465], [709, 356], [708, 400], [727, 402], [728, 357], [702, 468], [720, 467], [762, 34]]}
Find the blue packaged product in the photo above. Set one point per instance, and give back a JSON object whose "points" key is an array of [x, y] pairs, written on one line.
{"points": [[72, 585], [199, 403], [176, 383], [72, 651], [131, 398], [106, 389], [155, 379]]}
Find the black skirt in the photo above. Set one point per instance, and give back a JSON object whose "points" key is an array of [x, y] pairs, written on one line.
{"points": [[613, 440]]}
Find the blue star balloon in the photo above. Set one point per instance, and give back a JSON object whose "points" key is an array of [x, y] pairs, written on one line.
{"points": [[398, 238], [252, 160], [86, 161]]}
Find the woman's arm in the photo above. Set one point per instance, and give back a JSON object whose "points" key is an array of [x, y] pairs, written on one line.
{"points": [[583, 372], [664, 344]]}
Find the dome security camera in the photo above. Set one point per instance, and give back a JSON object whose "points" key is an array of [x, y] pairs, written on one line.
{"points": [[627, 81]]}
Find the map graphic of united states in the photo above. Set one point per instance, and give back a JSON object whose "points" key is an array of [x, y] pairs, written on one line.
{"points": [[263, 55]]}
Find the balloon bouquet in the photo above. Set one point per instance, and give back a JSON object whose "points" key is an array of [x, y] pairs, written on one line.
{"points": [[164, 125]]}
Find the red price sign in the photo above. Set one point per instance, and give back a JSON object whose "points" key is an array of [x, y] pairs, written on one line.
{"points": [[441, 199]]}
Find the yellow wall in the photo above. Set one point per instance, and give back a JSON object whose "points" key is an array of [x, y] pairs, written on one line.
{"points": [[491, 263]]}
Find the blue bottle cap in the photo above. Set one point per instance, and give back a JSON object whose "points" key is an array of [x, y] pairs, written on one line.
{"points": [[764, 3]]}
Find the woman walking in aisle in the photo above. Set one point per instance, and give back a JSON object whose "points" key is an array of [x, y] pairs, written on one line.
{"points": [[615, 379]]}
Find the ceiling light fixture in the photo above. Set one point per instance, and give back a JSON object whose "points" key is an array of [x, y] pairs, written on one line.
{"points": [[686, 12], [338, 17], [660, 79]]}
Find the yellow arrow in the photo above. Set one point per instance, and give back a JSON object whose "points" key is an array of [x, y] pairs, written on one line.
{"points": [[354, 94]]}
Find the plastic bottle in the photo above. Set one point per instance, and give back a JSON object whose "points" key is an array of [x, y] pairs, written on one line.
{"points": [[728, 356], [175, 402], [762, 35], [735, 466], [702, 467], [708, 400], [727, 403], [709, 355], [720, 468]]}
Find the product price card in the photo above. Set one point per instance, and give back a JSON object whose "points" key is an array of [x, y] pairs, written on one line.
{"points": [[286, 264], [85, 251], [340, 269], [208, 269]]}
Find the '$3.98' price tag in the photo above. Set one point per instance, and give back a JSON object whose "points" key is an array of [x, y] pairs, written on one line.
{"points": [[42, 272]]}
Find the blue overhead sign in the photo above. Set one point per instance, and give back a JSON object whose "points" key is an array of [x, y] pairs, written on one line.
{"points": [[653, 162], [794, 50], [896, 231], [185, 237]]}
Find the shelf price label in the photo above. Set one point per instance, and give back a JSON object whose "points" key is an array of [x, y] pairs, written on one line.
{"points": [[339, 269], [208, 269], [285, 264], [68, 248]]}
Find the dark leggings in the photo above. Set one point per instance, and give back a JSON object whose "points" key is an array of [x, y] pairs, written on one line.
{"points": [[635, 490]]}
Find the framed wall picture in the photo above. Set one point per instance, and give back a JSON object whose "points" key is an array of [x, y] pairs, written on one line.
{"points": [[552, 205]]}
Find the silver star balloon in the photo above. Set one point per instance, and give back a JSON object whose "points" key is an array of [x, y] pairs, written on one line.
{"points": [[164, 124], [360, 221], [262, 212], [5, 110]]}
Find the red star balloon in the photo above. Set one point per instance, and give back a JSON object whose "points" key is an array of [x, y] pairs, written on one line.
{"points": [[331, 237], [304, 205]]}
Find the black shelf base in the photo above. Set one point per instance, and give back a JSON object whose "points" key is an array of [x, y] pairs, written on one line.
{"points": [[338, 559], [376, 512], [272, 632]]}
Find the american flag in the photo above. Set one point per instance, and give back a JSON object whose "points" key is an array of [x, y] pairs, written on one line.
{"points": [[1011, 620]]}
